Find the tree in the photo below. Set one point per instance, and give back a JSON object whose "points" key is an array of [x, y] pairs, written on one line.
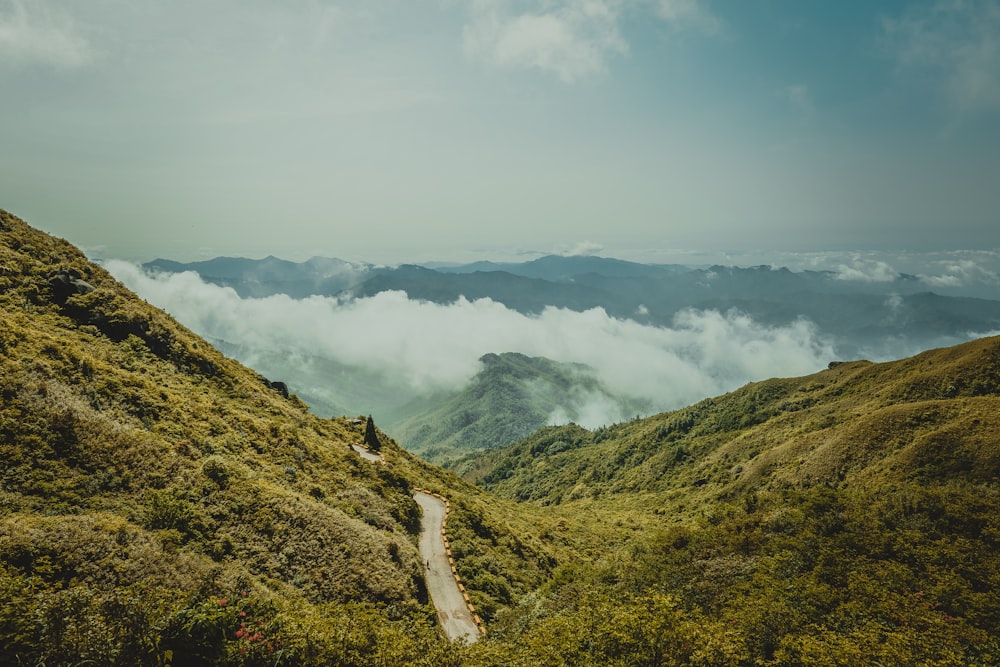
{"points": [[371, 438]]}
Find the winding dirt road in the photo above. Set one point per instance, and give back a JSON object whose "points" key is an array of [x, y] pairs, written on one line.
{"points": [[455, 617]]}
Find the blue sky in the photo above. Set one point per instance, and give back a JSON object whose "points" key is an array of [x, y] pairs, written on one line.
{"points": [[392, 130]]}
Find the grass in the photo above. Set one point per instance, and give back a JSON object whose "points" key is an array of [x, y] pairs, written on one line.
{"points": [[145, 475]]}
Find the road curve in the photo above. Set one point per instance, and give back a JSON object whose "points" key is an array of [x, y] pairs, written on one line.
{"points": [[367, 454], [454, 615]]}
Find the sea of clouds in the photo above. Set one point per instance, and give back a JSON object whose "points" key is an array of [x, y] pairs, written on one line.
{"points": [[429, 347]]}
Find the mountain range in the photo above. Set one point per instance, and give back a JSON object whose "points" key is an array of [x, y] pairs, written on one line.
{"points": [[163, 504], [885, 319]]}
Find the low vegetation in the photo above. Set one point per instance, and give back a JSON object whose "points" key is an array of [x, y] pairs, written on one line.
{"points": [[848, 517], [163, 505]]}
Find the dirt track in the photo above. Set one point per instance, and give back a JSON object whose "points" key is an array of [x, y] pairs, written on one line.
{"points": [[455, 617], [367, 454]]}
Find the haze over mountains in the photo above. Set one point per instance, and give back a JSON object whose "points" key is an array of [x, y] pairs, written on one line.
{"points": [[653, 336]]}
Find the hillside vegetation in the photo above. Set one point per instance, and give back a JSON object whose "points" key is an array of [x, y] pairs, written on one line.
{"points": [[159, 502], [509, 399], [848, 517]]}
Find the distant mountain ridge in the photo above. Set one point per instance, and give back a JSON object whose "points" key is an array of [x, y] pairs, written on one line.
{"points": [[871, 319], [271, 275], [557, 268], [860, 319]]}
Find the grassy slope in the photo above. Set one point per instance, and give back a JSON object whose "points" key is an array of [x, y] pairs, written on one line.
{"points": [[157, 497], [145, 479], [849, 516], [857, 420]]}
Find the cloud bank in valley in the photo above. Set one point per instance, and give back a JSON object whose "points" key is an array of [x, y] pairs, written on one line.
{"points": [[429, 346]]}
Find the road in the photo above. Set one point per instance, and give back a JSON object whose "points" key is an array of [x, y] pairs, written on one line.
{"points": [[452, 611], [366, 454]]}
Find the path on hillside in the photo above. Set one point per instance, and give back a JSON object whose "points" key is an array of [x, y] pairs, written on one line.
{"points": [[452, 610], [367, 454]]}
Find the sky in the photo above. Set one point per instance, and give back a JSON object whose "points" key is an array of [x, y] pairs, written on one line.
{"points": [[415, 130]]}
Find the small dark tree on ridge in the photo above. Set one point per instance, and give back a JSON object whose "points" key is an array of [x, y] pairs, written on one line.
{"points": [[371, 439]]}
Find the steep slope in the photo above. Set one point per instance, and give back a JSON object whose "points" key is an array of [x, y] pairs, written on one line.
{"points": [[816, 429], [847, 517], [162, 503], [510, 398]]}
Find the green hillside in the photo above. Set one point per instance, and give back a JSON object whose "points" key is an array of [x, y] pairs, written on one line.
{"points": [[161, 502], [857, 418], [164, 505], [509, 399], [848, 517]]}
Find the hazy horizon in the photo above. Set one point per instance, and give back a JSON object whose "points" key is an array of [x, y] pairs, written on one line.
{"points": [[952, 269], [393, 131], [324, 344]]}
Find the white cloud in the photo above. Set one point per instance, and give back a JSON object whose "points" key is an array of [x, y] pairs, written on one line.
{"points": [[428, 346], [589, 409], [946, 280], [959, 42], [33, 34], [572, 40], [961, 272], [583, 248], [893, 306]]}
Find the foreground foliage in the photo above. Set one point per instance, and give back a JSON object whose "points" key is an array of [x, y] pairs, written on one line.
{"points": [[803, 578]]}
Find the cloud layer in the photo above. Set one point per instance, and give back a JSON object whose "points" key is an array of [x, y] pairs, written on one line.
{"points": [[33, 34], [429, 346], [572, 39], [959, 42]]}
